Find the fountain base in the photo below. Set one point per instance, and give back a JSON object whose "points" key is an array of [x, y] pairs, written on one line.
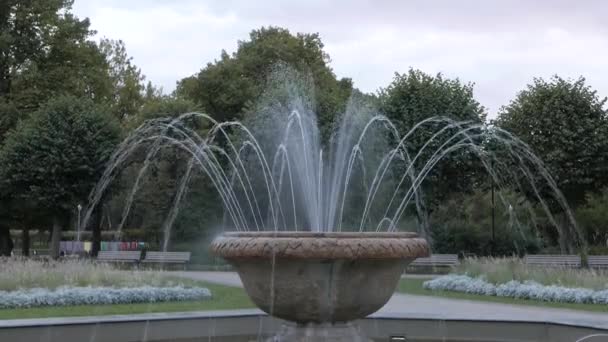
{"points": [[338, 332]]}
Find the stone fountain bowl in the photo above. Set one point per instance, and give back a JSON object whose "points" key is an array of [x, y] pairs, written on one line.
{"points": [[308, 277]]}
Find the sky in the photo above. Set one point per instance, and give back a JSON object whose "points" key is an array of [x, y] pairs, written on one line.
{"points": [[498, 45]]}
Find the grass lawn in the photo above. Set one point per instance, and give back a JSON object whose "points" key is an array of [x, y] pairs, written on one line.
{"points": [[224, 298], [414, 286]]}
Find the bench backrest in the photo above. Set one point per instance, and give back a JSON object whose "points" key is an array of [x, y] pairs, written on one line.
{"points": [[597, 260], [131, 256], [553, 260], [437, 260], [167, 257]]}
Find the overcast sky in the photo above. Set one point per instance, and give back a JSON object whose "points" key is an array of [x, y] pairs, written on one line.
{"points": [[499, 45]]}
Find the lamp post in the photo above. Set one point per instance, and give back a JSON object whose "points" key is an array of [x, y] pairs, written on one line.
{"points": [[489, 149], [79, 207], [493, 215]]}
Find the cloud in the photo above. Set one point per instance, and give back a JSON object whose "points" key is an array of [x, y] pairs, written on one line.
{"points": [[499, 45]]}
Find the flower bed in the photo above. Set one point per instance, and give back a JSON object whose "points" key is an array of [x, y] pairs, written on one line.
{"points": [[68, 295], [503, 270], [515, 289]]}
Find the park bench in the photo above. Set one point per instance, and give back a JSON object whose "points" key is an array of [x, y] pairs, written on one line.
{"points": [[437, 260], [119, 256], [597, 261], [181, 258], [553, 260]]}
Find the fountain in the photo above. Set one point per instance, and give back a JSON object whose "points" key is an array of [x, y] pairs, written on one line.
{"points": [[307, 247], [320, 281]]}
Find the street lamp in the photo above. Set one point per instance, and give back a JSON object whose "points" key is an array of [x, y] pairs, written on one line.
{"points": [[79, 207], [493, 215]]}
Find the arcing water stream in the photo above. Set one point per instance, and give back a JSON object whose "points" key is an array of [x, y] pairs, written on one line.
{"points": [[274, 173]]}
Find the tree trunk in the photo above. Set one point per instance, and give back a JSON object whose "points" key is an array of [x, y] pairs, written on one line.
{"points": [[25, 242], [6, 243], [55, 238], [95, 224], [97, 220], [96, 247], [565, 239], [5, 80]]}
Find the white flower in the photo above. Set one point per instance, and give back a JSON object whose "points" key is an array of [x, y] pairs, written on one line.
{"points": [[63, 296], [516, 289]]}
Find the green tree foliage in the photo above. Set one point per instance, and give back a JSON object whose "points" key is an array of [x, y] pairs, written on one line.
{"points": [[565, 124], [51, 161], [25, 29], [127, 80], [158, 187], [463, 224], [166, 107], [592, 217], [45, 52], [225, 88], [415, 96], [9, 115]]}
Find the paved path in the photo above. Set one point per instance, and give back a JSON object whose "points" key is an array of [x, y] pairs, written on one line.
{"points": [[405, 305], [221, 278]]}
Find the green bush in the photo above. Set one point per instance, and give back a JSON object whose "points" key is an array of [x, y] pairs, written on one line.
{"points": [[598, 250], [592, 218], [466, 238], [463, 225]]}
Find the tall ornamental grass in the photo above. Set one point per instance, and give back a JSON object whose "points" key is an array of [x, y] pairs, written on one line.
{"points": [[503, 270], [25, 273]]}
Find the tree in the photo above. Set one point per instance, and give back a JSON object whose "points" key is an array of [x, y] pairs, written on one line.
{"points": [[565, 124], [9, 115], [415, 96], [38, 40], [51, 161], [165, 107], [127, 80], [25, 27], [54, 56], [45, 52], [225, 88]]}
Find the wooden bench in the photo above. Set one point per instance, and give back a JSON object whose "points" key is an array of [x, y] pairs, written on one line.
{"points": [[437, 260], [119, 256], [597, 261], [553, 260], [167, 258]]}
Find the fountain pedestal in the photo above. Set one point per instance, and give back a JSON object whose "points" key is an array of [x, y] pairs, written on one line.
{"points": [[326, 332], [319, 281]]}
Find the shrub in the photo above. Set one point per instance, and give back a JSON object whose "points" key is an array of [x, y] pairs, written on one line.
{"points": [[461, 283], [516, 289], [463, 224], [67, 295], [598, 250], [592, 217]]}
